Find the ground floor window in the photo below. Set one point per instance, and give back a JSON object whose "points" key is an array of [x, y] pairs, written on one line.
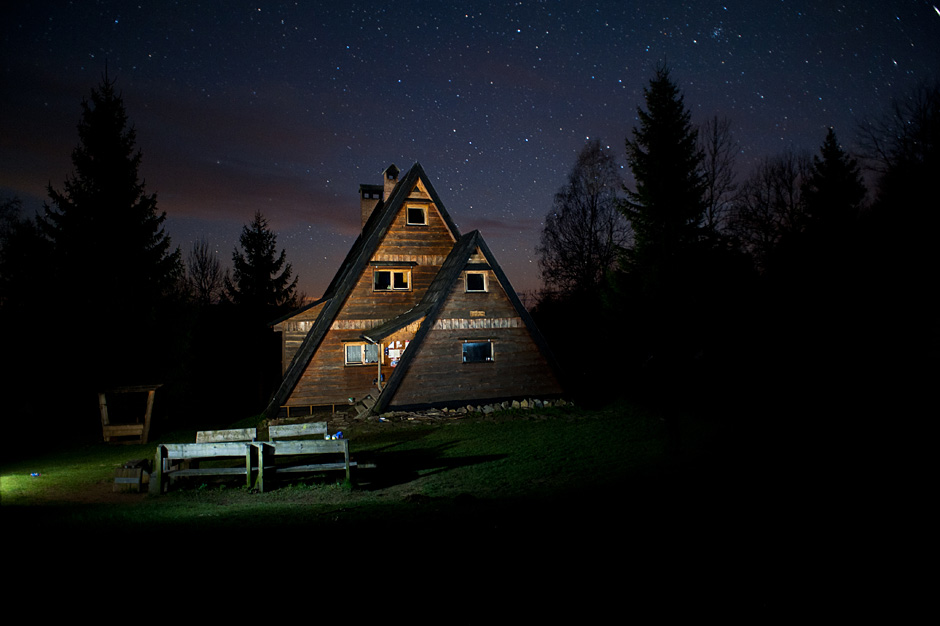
{"points": [[477, 351], [361, 353]]}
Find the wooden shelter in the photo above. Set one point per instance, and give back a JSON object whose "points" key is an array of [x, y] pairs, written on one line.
{"points": [[417, 315], [136, 431]]}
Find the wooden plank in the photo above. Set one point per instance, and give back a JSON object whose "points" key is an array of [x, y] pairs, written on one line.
{"points": [[232, 434], [122, 430], [204, 450], [128, 480], [210, 471], [311, 446], [146, 431], [296, 430], [315, 467]]}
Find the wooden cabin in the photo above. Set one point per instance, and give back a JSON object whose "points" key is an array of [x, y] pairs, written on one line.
{"points": [[418, 315]]}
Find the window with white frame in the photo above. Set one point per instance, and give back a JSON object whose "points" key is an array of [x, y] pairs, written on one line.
{"points": [[476, 281], [416, 216], [362, 353], [478, 351], [391, 280]]}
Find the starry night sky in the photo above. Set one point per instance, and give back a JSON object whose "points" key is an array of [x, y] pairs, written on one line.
{"points": [[287, 107]]}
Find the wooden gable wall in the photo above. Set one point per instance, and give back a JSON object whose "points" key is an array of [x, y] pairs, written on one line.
{"points": [[420, 249], [438, 374], [293, 331]]}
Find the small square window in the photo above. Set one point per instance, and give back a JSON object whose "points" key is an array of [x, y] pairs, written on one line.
{"points": [[417, 216], [477, 351], [353, 354], [476, 281]]}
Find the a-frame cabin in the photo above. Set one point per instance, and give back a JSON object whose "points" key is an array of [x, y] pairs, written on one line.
{"points": [[417, 315]]}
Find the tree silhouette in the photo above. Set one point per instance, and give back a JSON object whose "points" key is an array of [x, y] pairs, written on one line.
{"points": [[769, 206], [662, 295], [718, 148], [205, 274], [114, 266], [111, 248], [261, 279], [834, 191], [584, 232], [666, 210]]}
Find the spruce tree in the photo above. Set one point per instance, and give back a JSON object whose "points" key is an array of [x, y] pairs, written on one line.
{"points": [[114, 266], [662, 292], [834, 192], [666, 210], [111, 247], [261, 279]]}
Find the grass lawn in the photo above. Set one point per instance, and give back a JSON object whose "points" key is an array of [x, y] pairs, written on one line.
{"points": [[603, 495], [514, 461], [560, 475]]}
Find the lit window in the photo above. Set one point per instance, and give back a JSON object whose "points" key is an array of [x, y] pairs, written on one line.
{"points": [[391, 280], [361, 353], [476, 281], [477, 351], [417, 216]]}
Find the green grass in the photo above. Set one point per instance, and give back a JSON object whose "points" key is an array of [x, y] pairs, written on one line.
{"points": [[455, 472]]}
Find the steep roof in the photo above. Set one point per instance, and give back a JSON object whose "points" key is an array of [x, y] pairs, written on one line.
{"points": [[356, 261], [433, 301]]}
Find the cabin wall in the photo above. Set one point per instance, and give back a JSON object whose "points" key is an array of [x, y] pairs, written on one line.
{"points": [[437, 373], [328, 380], [293, 332], [424, 246]]}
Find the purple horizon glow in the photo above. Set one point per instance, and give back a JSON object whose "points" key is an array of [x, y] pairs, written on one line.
{"points": [[287, 110]]}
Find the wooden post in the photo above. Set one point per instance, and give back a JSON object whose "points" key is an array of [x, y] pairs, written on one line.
{"points": [[146, 433], [156, 478], [264, 451], [103, 407]]}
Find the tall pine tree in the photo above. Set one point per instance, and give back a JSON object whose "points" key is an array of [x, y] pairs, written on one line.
{"points": [[834, 192], [113, 260], [667, 207], [111, 247], [660, 291]]}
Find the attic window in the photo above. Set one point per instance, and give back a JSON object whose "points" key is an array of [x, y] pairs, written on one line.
{"points": [[417, 216], [391, 280], [361, 353], [477, 352], [476, 281]]}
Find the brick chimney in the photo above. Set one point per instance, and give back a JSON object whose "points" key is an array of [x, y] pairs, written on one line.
{"points": [[391, 179], [369, 195]]}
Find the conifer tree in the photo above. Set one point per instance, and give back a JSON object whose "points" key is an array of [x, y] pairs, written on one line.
{"points": [[261, 279], [666, 210], [114, 268], [834, 192], [111, 247], [662, 291]]}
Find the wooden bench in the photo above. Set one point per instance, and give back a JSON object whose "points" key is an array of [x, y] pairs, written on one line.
{"points": [[210, 445], [280, 446]]}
